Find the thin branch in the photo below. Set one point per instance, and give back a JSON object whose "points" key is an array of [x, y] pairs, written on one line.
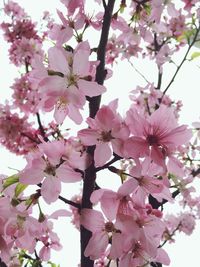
{"points": [[154, 202], [116, 158], [65, 200], [72, 203], [30, 138], [41, 128], [183, 60], [140, 73], [94, 102], [2, 264], [156, 264], [104, 4], [195, 172], [170, 236], [160, 75]]}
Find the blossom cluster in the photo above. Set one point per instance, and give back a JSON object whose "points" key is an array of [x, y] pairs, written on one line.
{"points": [[126, 225]]}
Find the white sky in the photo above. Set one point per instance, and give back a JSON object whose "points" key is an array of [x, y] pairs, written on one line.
{"points": [[185, 252]]}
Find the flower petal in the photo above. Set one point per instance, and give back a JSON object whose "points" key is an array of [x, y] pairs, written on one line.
{"points": [[90, 88], [50, 189]]}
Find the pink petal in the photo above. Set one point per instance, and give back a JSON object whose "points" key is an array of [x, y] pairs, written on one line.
{"points": [[136, 147], [60, 113], [90, 88], [92, 220], [60, 213], [81, 64], [57, 60], [178, 136], [128, 187], [117, 246], [67, 175], [97, 195], [4, 250], [53, 85], [88, 136], [164, 117], [75, 96], [45, 253], [162, 257], [96, 245], [34, 174], [109, 202], [102, 154], [152, 185], [74, 114], [158, 157], [105, 118], [50, 189], [136, 122], [175, 166]]}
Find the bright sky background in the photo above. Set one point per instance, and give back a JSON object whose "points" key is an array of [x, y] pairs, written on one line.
{"points": [[185, 252]]}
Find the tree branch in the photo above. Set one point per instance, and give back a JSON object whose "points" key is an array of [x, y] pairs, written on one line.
{"points": [[116, 158], [183, 60], [94, 103], [41, 128], [65, 200]]}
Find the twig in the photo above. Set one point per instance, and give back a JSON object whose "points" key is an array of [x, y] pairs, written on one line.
{"points": [[94, 102], [170, 235], [41, 128], [160, 75], [116, 158], [140, 73], [183, 60], [72, 203], [104, 4], [65, 200], [31, 138]]}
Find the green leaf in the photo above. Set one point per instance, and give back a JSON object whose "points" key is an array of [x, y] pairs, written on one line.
{"points": [[19, 189], [10, 180], [53, 264], [195, 55]]}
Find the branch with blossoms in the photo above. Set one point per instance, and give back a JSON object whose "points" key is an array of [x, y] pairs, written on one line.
{"points": [[147, 153]]}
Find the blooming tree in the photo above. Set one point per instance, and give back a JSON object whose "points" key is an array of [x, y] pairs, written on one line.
{"points": [[151, 156]]}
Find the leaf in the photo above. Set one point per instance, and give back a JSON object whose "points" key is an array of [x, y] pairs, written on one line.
{"points": [[10, 180], [53, 264], [195, 55], [19, 189]]}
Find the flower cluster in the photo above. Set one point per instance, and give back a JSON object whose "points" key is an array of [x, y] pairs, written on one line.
{"points": [[153, 155]]}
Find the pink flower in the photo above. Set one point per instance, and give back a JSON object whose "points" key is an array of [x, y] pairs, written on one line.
{"points": [[72, 5], [48, 166], [155, 135], [102, 230], [69, 82], [107, 131]]}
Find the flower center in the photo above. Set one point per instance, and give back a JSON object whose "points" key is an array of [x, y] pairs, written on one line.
{"points": [[106, 136], [72, 79], [109, 227], [51, 170], [152, 139]]}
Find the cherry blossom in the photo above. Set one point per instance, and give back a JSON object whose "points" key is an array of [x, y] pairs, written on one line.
{"points": [[155, 135], [107, 131], [148, 155]]}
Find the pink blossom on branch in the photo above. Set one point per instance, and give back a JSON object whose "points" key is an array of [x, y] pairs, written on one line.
{"points": [[53, 163], [154, 136], [107, 131], [70, 80]]}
